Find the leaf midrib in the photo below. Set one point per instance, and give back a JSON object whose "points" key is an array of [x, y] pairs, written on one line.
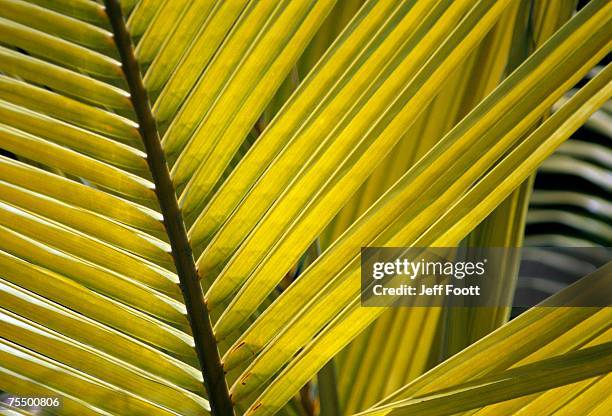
{"points": [[205, 343]]}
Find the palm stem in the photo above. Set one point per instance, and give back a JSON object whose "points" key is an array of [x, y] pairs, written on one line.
{"points": [[205, 343]]}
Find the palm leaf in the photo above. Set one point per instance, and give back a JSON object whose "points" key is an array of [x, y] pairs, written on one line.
{"points": [[516, 382], [160, 178]]}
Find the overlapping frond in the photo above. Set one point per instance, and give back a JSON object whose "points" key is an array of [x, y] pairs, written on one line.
{"points": [[560, 330]]}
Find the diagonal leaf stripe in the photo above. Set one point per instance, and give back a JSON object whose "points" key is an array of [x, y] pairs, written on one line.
{"points": [[33, 148], [58, 50], [77, 194], [198, 19], [557, 371], [169, 14], [85, 10], [58, 24], [81, 140], [89, 223], [67, 109], [64, 80]]}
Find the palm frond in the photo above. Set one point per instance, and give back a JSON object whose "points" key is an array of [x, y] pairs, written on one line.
{"points": [[166, 166]]}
